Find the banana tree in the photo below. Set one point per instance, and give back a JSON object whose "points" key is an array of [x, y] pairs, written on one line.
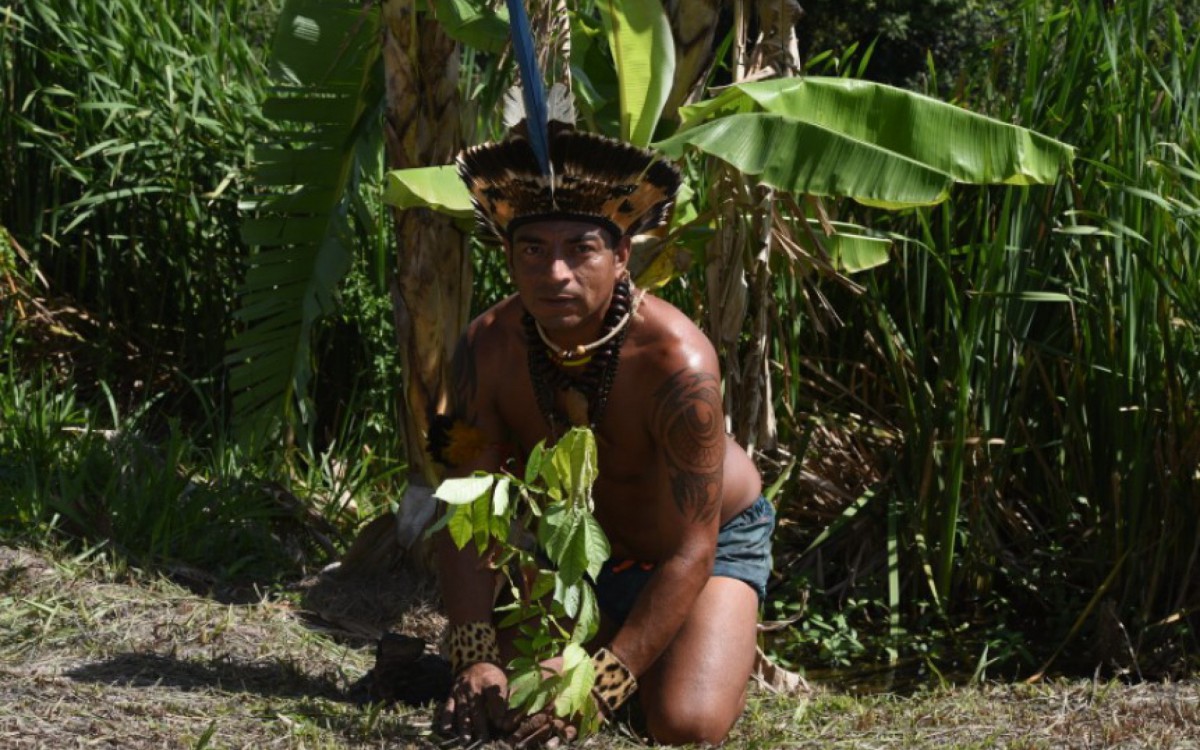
{"points": [[354, 83]]}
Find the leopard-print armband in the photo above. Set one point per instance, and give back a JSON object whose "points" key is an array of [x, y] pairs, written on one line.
{"points": [[614, 682], [471, 643]]}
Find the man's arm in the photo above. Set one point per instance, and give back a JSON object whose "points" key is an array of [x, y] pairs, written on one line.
{"points": [[467, 581], [477, 703], [689, 427]]}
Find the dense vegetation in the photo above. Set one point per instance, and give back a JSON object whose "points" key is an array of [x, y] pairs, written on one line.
{"points": [[1028, 392], [997, 430]]}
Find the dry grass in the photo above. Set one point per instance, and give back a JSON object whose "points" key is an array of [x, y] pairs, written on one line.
{"points": [[92, 657], [89, 658]]}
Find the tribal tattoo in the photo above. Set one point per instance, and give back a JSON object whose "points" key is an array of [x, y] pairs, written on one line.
{"points": [[689, 425]]}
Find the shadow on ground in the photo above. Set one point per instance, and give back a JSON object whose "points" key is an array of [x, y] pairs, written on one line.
{"points": [[270, 679]]}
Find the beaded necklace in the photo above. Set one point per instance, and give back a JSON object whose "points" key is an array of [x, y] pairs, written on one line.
{"points": [[586, 395]]}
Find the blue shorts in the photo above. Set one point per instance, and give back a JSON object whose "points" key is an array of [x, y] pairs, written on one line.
{"points": [[743, 552]]}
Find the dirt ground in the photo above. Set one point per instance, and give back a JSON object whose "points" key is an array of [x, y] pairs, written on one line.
{"points": [[92, 656]]}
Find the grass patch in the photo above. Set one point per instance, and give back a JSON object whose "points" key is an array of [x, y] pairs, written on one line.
{"points": [[96, 653], [178, 498]]}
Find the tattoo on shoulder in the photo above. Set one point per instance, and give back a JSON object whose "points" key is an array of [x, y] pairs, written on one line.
{"points": [[689, 424], [464, 381]]}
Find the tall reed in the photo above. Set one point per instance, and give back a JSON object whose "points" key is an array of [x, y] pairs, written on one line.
{"points": [[122, 148], [1031, 356]]}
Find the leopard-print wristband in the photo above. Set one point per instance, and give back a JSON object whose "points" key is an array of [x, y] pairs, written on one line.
{"points": [[470, 643], [614, 682]]}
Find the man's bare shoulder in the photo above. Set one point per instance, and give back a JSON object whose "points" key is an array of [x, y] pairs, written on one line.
{"points": [[667, 341], [493, 333], [487, 346]]}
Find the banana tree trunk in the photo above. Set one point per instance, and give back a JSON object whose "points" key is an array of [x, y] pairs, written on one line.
{"points": [[431, 290], [432, 286], [739, 273]]}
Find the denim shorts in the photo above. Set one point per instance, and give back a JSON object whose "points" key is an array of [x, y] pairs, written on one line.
{"points": [[743, 553]]}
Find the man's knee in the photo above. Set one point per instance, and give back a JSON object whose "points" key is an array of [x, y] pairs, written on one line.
{"points": [[692, 724]]}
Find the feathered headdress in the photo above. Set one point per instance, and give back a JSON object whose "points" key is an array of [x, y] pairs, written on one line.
{"points": [[547, 169]]}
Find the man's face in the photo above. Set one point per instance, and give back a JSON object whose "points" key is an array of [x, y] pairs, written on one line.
{"points": [[565, 272]]}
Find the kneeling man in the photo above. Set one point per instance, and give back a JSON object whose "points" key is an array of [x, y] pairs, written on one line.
{"points": [[679, 500]]}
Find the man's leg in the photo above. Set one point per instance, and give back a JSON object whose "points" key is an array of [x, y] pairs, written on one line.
{"points": [[696, 691]]}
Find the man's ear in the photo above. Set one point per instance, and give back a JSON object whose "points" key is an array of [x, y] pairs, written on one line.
{"points": [[508, 260], [622, 252]]}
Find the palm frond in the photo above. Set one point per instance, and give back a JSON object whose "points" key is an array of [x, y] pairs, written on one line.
{"points": [[325, 103]]}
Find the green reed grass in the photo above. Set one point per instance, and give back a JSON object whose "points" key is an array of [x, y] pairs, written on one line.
{"points": [[1034, 354], [180, 499], [122, 149]]}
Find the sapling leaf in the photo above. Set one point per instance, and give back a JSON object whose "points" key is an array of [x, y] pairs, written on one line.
{"points": [[568, 596], [499, 526], [573, 656], [542, 694], [551, 477], [523, 664], [522, 686], [533, 467], [481, 522], [582, 454], [540, 640], [439, 524], [554, 532], [551, 519], [543, 584], [574, 559], [596, 549], [523, 647], [505, 554], [560, 462], [510, 619], [588, 620], [509, 606], [578, 676], [500, 496], [459, 525], [463, 490], [531, 502]]}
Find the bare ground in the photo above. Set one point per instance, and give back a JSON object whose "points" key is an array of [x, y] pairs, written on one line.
{"points": [[93, 657]]}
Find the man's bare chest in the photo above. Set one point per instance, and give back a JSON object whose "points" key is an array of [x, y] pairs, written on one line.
{"points": [[627, 451]]}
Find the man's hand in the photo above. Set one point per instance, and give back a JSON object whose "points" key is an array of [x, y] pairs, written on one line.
{"points": [[543, 729], [478, 704]]}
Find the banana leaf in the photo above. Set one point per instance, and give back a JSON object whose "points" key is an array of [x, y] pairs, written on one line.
{"points": [[880, 145], [325, 60], [474, 23], [436, 188], [851, 252], [639, 37]]}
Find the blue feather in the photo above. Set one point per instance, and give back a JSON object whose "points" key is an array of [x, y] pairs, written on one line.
{"points": [[532, 87]]}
